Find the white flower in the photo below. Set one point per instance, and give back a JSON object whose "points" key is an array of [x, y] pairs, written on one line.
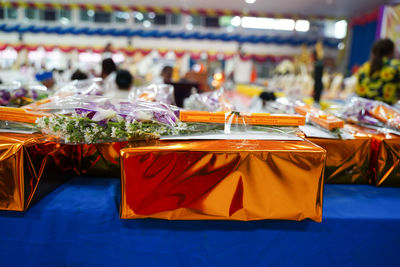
{"points": [[40, 123], [113, 132], [143, 116], [104, 114], [88, 137]]}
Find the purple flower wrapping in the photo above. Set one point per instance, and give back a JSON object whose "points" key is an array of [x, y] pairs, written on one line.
{"points": [[139, 111], [22, 92], [5, 97], [34, 94]]}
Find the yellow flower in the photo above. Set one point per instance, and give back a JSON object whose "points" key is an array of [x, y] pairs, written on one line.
{"points": [[372, 92], [387, 73], [361, 89], [375, 85], [389, 92]]}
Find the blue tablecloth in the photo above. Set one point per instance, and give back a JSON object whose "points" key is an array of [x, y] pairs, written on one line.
{"points": [[78, 225]]}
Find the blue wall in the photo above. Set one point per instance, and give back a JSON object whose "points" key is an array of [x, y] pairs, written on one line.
{"points": [[363, 39]]}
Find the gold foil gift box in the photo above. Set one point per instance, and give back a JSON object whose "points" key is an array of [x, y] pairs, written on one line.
{"points": [[385, 155], [30, 168], [101, 159], [223, 180], [347, 161]]}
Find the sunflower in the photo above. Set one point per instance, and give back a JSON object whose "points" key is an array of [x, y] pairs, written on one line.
{"points": [[389, 92], [362, 90], [388, 73]]}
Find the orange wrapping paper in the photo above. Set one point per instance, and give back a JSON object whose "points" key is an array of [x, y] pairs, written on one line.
{"points": [[385, 156], [347, 161], [322, 119], [223, 180], [99, 159], [30, 168], [102, 159], [250, 119]]}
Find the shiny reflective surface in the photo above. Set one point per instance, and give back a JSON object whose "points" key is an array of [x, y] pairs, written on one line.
{"points": [[385, 156], [30, 168], [223, 180], [99, 159], [103, 159], [347, 161]]}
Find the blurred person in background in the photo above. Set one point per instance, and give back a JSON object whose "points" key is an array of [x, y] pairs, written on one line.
{"points": [[165, 75], [317, 75], [79, 75], [124, 81], [46, 78], [379, 78], [108, 74]]}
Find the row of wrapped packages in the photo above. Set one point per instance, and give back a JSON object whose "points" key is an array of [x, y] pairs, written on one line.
{"points": [[177, 164], [209, 179]]}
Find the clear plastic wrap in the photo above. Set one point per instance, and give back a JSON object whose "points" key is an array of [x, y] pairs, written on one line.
{"points": [[241, 126], [372, 113], [82, 87], [283, 105], [16, 94], [96, 119], [319, 122], [209, 101], [163, 93]]}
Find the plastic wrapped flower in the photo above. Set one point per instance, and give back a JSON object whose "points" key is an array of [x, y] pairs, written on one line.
{"points": [[5, 97]]}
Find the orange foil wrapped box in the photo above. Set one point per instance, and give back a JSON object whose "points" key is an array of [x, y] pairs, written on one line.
{"points": [[385, 156], [347, 161], [101, 159], [223, 180], [30, 168]]}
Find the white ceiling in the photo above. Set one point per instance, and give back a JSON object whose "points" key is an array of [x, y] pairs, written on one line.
{"points": [[345, 8]]}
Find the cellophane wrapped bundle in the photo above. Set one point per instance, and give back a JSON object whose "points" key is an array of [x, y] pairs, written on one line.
{"points": [[209, 101], [94, 119], [371, 113], [163, 93], [315, 117], [82, 87], [17, 95]]}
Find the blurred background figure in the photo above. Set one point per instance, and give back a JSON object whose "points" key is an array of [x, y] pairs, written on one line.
{"points": [[79, 75], [165, 75], [379, 78], [318, 72], [108, 74], [124, 81], [46, 78]]}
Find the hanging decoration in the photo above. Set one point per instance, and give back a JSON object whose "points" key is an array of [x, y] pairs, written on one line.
{"points": [[117, 32], [129, 51], [157, 10]]}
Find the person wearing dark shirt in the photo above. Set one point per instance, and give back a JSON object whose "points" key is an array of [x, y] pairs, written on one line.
{"points": [[317, 74]]}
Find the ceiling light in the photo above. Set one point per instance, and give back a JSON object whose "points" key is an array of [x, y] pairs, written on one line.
{"points": [[235, 21], [189, 26], [250, 1], [340, 29], [139, 16], [257, 23], [302, 25], [284, 24], [152, 15], [146, 24]]}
